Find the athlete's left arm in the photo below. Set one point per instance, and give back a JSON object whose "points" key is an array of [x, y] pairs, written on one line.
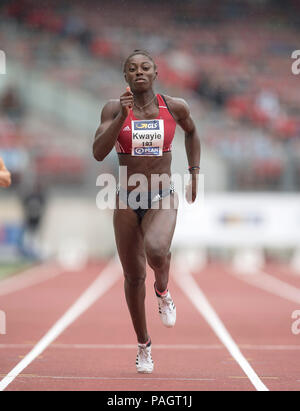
{"points": [[181, 113], [192, 141]]}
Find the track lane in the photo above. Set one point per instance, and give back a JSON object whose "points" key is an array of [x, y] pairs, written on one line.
{"points": [[32, 311], [30, 277], [208, 367], [256, 317], [108, 322], [284, 273]]}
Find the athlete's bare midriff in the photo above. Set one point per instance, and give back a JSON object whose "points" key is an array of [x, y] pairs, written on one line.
{"points": [[148, 167]]}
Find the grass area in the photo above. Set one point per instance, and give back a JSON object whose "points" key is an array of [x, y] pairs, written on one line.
{"points": [[8, 269]]}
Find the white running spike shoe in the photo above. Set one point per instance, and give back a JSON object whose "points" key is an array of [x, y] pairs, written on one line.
{"points": [[166, 309], [144, 362]]}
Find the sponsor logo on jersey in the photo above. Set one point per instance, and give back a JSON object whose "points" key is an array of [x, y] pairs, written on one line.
{"points": [[146, 151], [146, 125]]}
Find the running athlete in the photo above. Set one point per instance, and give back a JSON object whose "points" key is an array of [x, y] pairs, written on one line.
{"points": [[5, 178], [141, 126]]}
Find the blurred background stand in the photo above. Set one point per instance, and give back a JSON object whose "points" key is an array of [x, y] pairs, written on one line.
{"points": [[230, 60], [33, 197]]}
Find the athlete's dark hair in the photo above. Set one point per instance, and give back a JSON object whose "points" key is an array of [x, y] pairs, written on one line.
{"points": [[138, 52]]}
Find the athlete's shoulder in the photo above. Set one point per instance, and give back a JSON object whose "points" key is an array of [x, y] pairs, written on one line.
{"points": [[113, 104], [111, 108], [178, 107]]}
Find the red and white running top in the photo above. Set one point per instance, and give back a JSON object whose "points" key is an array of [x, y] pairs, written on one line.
{"points": [[147, 137]]}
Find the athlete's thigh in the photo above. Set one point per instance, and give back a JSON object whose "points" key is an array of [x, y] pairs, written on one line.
{"points": [[129, 241], [158, 225]]}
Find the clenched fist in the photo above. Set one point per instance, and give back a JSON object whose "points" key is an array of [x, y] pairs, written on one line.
{"points": [[126, 101]]}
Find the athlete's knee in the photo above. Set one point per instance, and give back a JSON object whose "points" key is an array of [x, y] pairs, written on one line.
{"points": [[157, 255], [135, 280]]}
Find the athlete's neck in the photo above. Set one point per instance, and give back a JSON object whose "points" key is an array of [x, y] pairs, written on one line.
{"points": [[142, 100]]}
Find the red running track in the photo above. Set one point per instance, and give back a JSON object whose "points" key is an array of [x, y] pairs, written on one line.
{"points": [[97, 351]]}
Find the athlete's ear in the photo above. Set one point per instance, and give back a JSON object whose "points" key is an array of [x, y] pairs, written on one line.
{"points": [[125, 76]]}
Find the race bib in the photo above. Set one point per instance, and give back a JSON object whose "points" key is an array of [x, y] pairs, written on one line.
{"points": [[147, 137]]}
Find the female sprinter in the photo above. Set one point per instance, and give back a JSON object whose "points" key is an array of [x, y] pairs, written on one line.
{"points": [[141, 126], [5, 178]]}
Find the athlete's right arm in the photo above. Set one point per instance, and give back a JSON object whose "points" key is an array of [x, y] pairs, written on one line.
{"points": [[113, 115], [5, 178]]}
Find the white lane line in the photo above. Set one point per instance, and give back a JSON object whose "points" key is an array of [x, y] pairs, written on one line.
{"points": [[191, 289], [155, 346], [118, 346], [27, 278], [272, 285], [114, 378], [270, 347], [103, 283]]}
